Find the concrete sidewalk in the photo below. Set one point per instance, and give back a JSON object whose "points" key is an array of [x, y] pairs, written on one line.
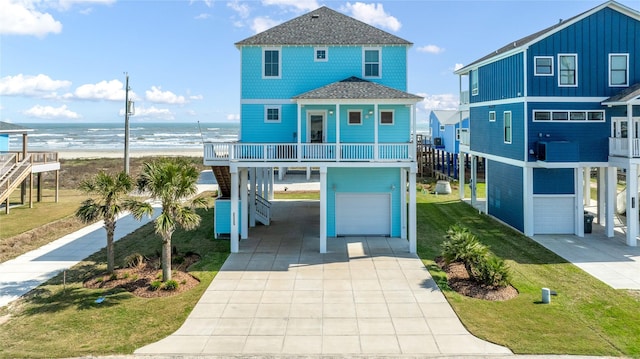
{"points": [[22, 274], [280, 297]]}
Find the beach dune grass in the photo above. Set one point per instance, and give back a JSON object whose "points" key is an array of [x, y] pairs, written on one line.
{"points": [[586, 318]]}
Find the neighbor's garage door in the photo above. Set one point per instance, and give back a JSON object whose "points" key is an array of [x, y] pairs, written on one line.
{"points": [[363, 214], [553, 215]]}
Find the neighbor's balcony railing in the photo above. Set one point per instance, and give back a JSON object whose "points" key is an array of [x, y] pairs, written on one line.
{"points": [[464, 97], [465, 137], [308, 152], [620, 147]]}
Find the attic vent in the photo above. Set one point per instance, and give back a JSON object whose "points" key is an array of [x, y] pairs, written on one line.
{"points": [[315, 16]]}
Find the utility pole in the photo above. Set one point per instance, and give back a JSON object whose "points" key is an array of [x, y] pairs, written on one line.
{"points": [[126, 124]]}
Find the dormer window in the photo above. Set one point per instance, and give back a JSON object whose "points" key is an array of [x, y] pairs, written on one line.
{"points": [[321, 54], [271, 63], [371, 63]]}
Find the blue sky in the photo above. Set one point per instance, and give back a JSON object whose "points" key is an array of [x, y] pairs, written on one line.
{"points": [[64, 60]]}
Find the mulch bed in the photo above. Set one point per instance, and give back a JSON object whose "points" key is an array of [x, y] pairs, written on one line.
{"points": [[137, 280], [459, 280]]}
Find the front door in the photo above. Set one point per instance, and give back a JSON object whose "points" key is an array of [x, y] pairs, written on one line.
{"points": [[316, 128]]}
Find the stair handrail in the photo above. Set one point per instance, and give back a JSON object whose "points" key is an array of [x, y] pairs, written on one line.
{"points": [[263, 208], [21, 169]]}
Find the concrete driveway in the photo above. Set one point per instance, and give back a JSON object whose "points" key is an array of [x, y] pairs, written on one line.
{"points": [[280, 297]]}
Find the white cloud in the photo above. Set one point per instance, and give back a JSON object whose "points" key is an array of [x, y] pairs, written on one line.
{"points": [[372, 14], [242, 9], [22, 18], [233, 117], [196, 97], [26, 85], [49, 112], [152, 113], [203, 16], [67, 4], [431, 49], [261, 24], [104, 90], [158, 96], [445, 101], [297, 5], [457, 67]]}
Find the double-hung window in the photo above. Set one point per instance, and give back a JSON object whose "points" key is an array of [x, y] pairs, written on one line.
{"points": [[568, 70], [507, 127], [618, 70], [271, 63], [386, 117], [355, 118], [543, 66], [474, 82], [272, 114], [371, 63]]}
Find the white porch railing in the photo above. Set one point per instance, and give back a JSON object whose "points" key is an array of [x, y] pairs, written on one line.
{"points": [[465, 137], [620, 147], [308, 152], [464, 97]]}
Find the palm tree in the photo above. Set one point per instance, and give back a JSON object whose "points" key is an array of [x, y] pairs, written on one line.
{"points": [[173, 182], [110, 201]]}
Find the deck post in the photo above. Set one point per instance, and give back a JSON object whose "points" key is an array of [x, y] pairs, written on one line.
{"points": [[413, 244], [579, 201], [403, 203], [57, 184], [611, 189], [632, 204], [527, 200], [461, 175], [587, 186], [323, 209], [601, 195], [252, 197], [244, 203], [474, 179], [235, 241]]}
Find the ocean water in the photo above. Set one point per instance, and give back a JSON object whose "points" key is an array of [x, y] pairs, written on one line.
{"points": [[110, 136]]}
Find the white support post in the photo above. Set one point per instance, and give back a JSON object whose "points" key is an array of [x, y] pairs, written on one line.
{"points": [[281, 172], [461, 174], [299, 134], [403, 203], [611, 182], [259, 179], [601, 195], [308, 173], [474, 179], [235, 240], [244, 203], [252, 197], [413, 240], [338, 152], [579, 202], [323, 209], [527, 200], [414, 135], [375, 132], [270, 183], [587, 186], [632, 204]]}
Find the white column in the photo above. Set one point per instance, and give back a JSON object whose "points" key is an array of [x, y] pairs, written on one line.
{"points": [[338, 152], [528, 201], [252, 197], [587, 186], [579, 202], [632, 203], [486, 186], [474, 179], [403, 203], [375, 132], [611, 182], [413, 244], [631, 134], [259, 178], [601, 195], [244, 204], [323, 210], [281, 172], [299, 135], [308, 173], [414, 135], [270, 182], [235, 244], [461, 174]]}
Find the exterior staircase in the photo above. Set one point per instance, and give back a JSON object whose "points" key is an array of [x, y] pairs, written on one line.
{"points": [[12, 174], [223, 177], [263, 210]]}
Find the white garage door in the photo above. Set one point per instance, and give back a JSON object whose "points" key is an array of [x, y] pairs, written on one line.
{"points": [[363, 214], [553, 215]]}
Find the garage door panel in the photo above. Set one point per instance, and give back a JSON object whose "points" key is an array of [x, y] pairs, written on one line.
{"points": [[363, 214], [553, 215]]}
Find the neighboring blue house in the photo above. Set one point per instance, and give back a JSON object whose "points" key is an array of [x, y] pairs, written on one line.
{"points": [[446, 128], [546, 109], [327, 91]]}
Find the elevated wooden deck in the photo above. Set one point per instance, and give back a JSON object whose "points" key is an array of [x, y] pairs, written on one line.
{"points": [[16, 168]]}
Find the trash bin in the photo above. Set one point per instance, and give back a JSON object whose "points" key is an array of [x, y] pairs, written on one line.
{"points": [[588, 222]]}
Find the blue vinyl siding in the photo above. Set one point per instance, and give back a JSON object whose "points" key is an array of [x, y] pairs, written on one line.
{"points": [[553, 181], [300, 73], [488, 137], [504, 186], [593, 39], [364, 180], [591, 137], [491, 80], [400, 131], [254, 129]]}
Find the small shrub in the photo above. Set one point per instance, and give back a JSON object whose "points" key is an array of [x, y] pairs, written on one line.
{"points": [[178, 260], [171, 285], [495, 272], [183, 282], [135, 277], [113, 276], [155, 285], [134, 260]]}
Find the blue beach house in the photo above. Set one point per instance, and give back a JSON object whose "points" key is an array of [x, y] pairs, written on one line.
{"points": [[446, 128], [323, 90], [546, 110]]}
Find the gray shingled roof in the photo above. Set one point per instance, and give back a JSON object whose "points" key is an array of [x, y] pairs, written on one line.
{"points": [[6, 127], [355, 88], [629, 95], [323, 26]]}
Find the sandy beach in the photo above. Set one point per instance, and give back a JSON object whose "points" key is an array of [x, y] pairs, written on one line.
{"points": [[90, 153]]}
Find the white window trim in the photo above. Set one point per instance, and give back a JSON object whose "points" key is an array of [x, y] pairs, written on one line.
{"points": [[504, 125], [626, 84], [494, 116], [535, 67], [475, 90], [272, 107], [393, 118], [379, 49], [279, 49], [349, 117], [315, 54], [441, 128], [560, 70], [569, 120]]}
